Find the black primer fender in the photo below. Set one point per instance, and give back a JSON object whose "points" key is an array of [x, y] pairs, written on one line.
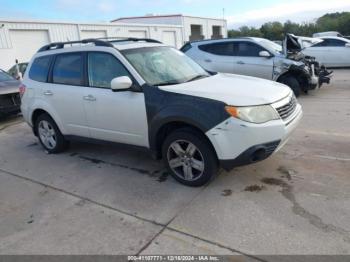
{"points": [[164, 107]]}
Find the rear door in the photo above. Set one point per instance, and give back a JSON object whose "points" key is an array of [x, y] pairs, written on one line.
{"points": [[113, 116], [216, 57], [65, 92], [246, 60]]}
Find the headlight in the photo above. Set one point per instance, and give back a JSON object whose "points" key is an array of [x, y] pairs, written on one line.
{"points": [[253, 114]]}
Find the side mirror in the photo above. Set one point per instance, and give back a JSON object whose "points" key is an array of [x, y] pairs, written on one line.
{"points": [[264, 54], [347, 45], [121, 83]]}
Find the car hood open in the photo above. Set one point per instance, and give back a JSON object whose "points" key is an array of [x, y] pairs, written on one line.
{"points": [[295, 44], [236, 90]]}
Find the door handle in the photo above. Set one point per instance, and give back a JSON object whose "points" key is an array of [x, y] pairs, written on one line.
{"points": [[207, 60], [48, 93], [89, 98], [240, 63]]}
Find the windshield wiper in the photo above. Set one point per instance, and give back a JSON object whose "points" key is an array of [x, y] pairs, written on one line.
{"points": [[167, 83], [196, 78]]}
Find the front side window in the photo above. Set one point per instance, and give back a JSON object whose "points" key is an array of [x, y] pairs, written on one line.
{"points": [[102, 68], [164, 65], [248, 49], [223, 49], [40, 69], [68, 69]]}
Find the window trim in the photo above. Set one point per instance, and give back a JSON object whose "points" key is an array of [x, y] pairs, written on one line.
{"points": [[134, 82], [53, 62]]}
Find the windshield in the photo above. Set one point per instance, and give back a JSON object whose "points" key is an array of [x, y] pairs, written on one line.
{"points": [[5, 77], [269, 45], [164, 65]]}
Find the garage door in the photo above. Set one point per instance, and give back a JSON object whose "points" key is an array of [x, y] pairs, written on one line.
{"points": [[85, 34], [169, 38], [137, 33], [25, 43]]}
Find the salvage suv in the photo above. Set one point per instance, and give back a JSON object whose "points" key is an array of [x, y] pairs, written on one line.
{"points": [[144, 93], [261, 58]]}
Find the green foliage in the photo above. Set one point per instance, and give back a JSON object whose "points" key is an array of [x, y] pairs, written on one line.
{"points": [[339, 22]]}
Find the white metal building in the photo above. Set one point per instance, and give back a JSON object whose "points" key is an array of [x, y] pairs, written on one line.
{"points": [[21, 39], [194, 28]]}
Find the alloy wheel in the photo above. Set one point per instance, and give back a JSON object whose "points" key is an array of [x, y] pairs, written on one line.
{"points": [[185, 160]]}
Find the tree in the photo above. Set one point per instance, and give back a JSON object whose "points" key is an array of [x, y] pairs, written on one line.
{"points": [[339, 22]]}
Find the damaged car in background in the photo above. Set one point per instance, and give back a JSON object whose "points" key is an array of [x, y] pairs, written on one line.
{"points": [[261, 58], [330, 51], [9, 95]]}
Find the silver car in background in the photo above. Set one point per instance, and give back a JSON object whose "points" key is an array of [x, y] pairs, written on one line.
{"points": [[258, 57]]}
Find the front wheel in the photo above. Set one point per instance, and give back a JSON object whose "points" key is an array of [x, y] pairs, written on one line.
{"points": [[189, 157], [293, 83]]}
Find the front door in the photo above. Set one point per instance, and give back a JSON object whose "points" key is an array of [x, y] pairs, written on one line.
{"points": [[247, 61], [113, 116]]}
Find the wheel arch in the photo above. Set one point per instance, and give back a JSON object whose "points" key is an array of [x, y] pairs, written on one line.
{"points": [[158, 134], [299, 75], [43, 110]]}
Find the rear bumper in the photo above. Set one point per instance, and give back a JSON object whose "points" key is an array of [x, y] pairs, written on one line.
{"points": [[9, 110]]}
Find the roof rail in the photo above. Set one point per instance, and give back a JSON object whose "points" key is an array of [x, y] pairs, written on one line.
{"points": [[59, 45], [129, 39]]}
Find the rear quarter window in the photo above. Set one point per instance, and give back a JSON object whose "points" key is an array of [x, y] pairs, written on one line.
{"points": [[223, 49], [40, 69]]}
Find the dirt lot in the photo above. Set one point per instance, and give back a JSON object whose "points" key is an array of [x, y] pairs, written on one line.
{"points": [[98, 199]]}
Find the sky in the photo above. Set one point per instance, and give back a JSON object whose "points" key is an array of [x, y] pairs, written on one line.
{"points": [[237, 12]]}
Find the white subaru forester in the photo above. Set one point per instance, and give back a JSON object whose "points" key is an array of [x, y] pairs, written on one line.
{"points": [[144, 93]]}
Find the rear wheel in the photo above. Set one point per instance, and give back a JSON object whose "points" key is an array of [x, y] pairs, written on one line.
{"points": [[293, 83], [49, 135], [189, 157]]}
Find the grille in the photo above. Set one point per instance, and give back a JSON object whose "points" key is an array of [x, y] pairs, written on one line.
{"points": [[288, 109], [271, 147]]}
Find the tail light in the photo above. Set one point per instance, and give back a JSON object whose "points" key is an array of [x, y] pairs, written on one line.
{"points": [[22, 89]]}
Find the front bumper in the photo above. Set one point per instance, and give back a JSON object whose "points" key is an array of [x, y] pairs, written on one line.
{"points": [[240, 143]]}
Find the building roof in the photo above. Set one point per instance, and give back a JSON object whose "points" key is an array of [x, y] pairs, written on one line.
{"points": [[162, 16]]}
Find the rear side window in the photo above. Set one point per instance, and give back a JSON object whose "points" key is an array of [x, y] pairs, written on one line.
{"points": [[102, 68], [224, 49], [40, 68], [248, 49], [330, 42], [68, 69]]}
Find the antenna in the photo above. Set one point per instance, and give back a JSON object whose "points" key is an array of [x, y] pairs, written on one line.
{"points": [[223, 13]]}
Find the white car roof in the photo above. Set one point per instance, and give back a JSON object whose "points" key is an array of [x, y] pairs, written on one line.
{"points": [[132, 45], [335, 37]]}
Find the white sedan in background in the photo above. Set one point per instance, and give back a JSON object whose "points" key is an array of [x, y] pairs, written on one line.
{"points": [[330, 51]]}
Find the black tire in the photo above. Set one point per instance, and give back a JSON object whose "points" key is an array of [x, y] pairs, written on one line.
{"points": [[61, 143], [293, 83], [204, 154]]}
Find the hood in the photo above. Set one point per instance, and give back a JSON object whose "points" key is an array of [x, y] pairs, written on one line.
{"points": [[9, 87], [295, 44], [291, 44], [235, 90]]}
